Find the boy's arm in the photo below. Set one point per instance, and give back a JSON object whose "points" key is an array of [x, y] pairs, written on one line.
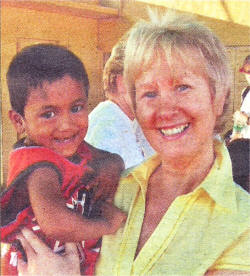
{"points": [[59, 222], [108, 167], [102, 154]]}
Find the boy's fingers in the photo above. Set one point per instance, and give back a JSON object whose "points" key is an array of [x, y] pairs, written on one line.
{"points": [[32, 242]]}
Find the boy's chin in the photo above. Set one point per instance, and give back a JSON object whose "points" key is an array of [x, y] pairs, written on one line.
{"points": [[67, 153]]}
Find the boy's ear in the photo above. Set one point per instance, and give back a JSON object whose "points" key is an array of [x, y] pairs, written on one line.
{"points": [[18, 121]]}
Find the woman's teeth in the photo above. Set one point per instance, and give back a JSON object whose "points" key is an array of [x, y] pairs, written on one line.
{"points": [[173, 131]]}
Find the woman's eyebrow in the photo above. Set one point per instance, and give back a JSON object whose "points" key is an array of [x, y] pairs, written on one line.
{"points": [[148, 84]]}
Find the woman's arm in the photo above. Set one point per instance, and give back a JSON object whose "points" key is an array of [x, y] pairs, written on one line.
{"points": [[59, 222], [43, 261]]}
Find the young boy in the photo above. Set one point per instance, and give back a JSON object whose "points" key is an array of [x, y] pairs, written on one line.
{"points": [[51, 189]]}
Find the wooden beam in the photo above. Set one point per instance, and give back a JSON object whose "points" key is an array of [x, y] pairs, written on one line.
{"points": [[65, 7]]}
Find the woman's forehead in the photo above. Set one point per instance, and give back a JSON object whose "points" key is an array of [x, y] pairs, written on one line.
{"points": [[178, 63]]}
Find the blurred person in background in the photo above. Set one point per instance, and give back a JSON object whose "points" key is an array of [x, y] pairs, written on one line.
{"points": [[112, 124], [241, 128]]}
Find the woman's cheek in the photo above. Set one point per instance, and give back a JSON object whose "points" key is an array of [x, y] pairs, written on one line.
{"points": [[146, 116]]}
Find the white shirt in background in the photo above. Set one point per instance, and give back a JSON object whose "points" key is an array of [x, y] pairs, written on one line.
{"points": [[110, 129], [146, 148]]}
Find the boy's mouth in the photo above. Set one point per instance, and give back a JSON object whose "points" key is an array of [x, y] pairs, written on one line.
{"points": [[65, 139]]}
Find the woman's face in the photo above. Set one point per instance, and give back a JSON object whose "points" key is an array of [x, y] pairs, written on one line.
{"points": [[175, 107]]}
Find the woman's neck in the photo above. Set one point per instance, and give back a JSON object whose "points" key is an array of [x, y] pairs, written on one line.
{"points": [[184, 175]]}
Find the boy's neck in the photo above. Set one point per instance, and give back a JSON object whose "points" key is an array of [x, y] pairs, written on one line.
{"points": [[75, 158], [28, 142]]}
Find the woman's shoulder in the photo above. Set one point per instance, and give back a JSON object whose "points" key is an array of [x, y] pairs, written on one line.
{"points": [[127, 190], [242, 194]]}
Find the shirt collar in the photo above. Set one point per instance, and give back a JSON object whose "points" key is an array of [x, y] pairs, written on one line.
{"points": [[218, 183], [142, 172]]}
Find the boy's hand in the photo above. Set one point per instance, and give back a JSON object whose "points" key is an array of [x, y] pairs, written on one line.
{"points": [[105, 182], [113, 216], [106, 176]]}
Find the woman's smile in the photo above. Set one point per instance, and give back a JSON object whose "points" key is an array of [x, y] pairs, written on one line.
{"points": [[174, 132]]}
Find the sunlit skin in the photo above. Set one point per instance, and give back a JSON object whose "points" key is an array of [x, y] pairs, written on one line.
{"points": [[56, 115], [176, 110]]}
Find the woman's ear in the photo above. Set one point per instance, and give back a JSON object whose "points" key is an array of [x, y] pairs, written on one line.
{"points": [[220, 102], [18, 121]]}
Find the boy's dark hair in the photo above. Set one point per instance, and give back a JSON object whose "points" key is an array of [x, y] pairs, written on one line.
{"points": [[38, 63]]}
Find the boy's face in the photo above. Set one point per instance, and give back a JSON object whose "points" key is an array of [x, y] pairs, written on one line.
{"points": [[56, 115]]}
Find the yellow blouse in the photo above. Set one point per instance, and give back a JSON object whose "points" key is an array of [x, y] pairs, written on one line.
{"points": [[205, 229]]}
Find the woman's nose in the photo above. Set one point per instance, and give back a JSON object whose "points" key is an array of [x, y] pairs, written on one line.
{"points": [[167, 105]]}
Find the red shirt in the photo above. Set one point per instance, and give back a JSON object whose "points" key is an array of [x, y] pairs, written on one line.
{"points": [[17, 212]]}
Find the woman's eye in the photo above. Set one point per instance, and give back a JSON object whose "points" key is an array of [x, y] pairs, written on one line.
{"points": [[182, 87], [48, 115], [76, 108], [150, 94]]}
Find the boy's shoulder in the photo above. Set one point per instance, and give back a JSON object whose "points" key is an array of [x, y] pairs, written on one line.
{"points": [[23, 158], [20, 148]]}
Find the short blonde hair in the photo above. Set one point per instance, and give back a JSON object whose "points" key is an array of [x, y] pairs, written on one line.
{"points": [[114, 66], [177, 32]]}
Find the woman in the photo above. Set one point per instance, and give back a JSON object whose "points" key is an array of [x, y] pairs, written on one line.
{"points": [[185, 214]]}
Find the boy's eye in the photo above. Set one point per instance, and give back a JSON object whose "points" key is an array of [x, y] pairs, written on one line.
{"points": [[76, 108], [48, 115], [182, 87]]}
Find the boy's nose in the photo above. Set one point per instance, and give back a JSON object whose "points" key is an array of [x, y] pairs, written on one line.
{"points": [[65, 122]]}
